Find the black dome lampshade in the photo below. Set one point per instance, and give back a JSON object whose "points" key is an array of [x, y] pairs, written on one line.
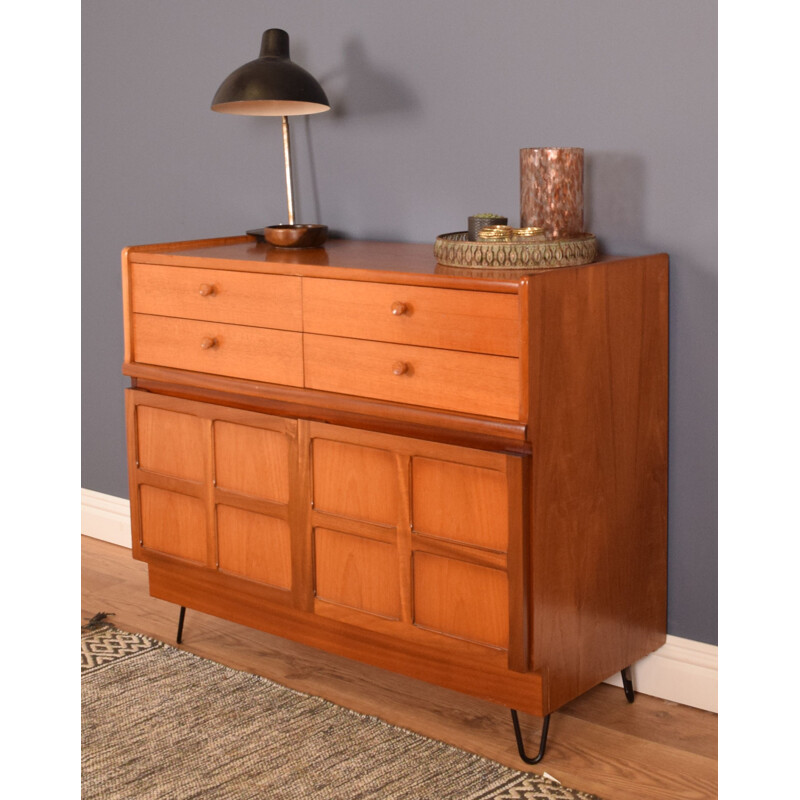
{"points": [[272, 86]]}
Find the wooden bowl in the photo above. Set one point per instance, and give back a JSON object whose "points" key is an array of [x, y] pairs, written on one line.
{"points": [[296, 235]]}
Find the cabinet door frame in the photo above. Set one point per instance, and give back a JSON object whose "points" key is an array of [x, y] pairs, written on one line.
{"points": [[294, 511], [513, 562]]}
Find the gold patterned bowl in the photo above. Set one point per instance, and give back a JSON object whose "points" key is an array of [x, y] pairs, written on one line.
{"points": [[455, 250]]}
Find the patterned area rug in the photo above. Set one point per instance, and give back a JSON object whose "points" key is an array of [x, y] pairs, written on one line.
{"points": [[159, 723]]}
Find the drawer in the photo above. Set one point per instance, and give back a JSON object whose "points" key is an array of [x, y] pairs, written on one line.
{"points": [[265, 301], [422, 376], [239, 351], [453, 319]]}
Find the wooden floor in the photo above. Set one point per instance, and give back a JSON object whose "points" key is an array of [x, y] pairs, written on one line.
{"points": [[598, 743]]}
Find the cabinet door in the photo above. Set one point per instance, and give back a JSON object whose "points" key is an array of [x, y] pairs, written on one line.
{"points": [[168, 476], [217, 487], [420, 540]]}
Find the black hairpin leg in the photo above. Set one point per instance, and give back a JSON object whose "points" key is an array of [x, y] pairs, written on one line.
{"points": [[179, 637], [627, 684], [521, 746]]}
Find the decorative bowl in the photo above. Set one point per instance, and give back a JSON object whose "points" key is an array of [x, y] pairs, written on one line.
{"points": [[296, 235], [455, 250]]}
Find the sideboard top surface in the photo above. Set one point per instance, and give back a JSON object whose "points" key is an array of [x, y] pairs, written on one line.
{"points": [[339, 258]]}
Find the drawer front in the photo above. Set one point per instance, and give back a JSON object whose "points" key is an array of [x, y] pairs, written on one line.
{"points": [[453, 319], [422, 376], [266, 301], [239, 351]]}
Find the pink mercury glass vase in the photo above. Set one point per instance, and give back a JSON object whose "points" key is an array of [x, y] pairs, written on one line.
{"points": [[551, 190]]}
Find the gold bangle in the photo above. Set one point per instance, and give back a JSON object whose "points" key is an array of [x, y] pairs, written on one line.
{"points": [[529, 233]]}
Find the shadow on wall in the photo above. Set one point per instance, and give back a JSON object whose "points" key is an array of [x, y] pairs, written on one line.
{"points": [[356, 88], [614, 186], [359, 87], [312, 171]]}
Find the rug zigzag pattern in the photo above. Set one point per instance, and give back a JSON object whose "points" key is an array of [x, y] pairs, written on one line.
{"points": [[160, 723], [100, 651]]}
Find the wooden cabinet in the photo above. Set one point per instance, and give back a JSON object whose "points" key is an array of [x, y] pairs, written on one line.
{"points": [[458, 477]]}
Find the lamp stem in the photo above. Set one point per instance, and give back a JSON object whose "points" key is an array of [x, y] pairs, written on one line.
{"points": [[287, 159]]}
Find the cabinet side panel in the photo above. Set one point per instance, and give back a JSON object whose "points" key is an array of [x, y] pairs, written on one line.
{"points": [[599, 364]]}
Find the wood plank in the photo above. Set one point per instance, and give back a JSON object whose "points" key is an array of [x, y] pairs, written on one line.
{"points": [[650, 750]]}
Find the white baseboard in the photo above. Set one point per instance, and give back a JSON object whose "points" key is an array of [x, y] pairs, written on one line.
{"points": [[106, 517], [683, 671]]}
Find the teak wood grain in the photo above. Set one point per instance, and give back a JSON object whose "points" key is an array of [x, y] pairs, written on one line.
{"points": [[376, 262], [454, 597], [424, 376], [255, 546], [485, 433], [460, 479], [265, 301], [239, 351], [451, 319], [461, 502], [368, 542], [650, 750], [599, 469], [252, 460]]}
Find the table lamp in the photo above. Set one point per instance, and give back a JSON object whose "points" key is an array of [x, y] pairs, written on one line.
{"points": [[274, 86]]}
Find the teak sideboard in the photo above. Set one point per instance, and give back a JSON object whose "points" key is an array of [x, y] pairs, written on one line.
{"points": [[458, 475]]}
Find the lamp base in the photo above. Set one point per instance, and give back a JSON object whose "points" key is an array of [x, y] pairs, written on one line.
{"points": [[295, 236]]}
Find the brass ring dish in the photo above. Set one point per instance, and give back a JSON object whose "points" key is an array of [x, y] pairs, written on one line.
{"points": [[455, 250]]}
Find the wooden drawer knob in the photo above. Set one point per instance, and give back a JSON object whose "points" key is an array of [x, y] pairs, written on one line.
{"points": [[207, 343], [400, 368], [399, 308], [207, 289]]}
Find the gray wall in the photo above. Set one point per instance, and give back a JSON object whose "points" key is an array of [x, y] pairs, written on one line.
{"points": [[432, 103]]}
